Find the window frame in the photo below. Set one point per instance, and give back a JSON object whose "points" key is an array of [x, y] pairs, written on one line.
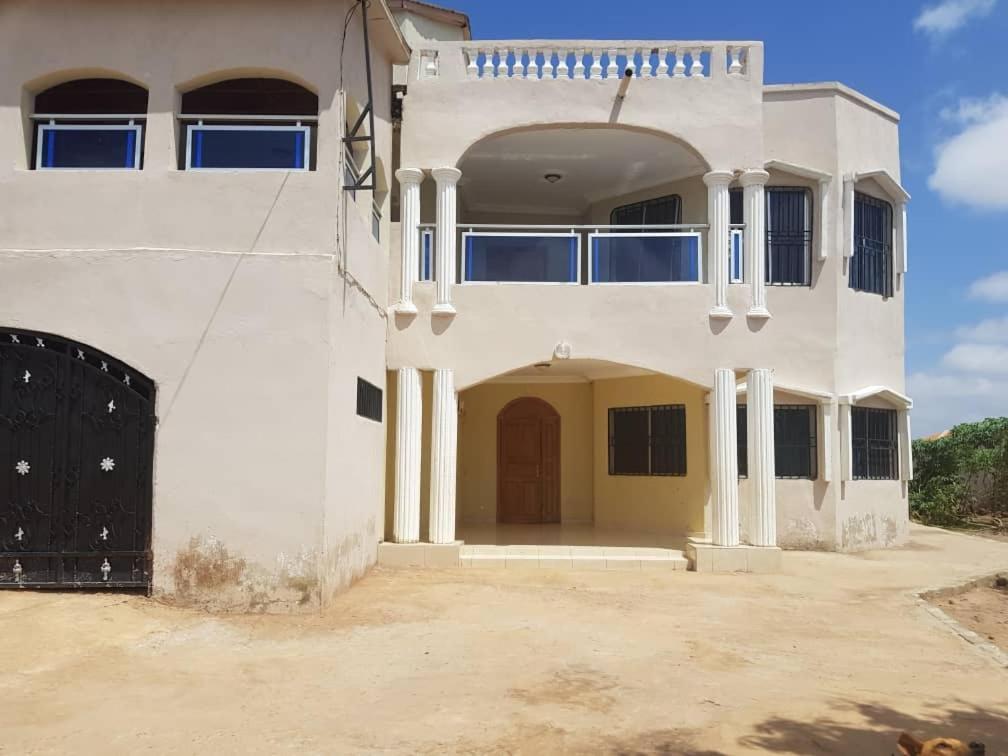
{"points": [[675, 198], [887, 242], [892, 445], [742, 440], [677, 446], [66, 124], [225, 125], [807, 233]]}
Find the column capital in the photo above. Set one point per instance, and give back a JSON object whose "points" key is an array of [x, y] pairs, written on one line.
{"points": [[718, 178], [409, 175], [754, 177], [446, 175]]}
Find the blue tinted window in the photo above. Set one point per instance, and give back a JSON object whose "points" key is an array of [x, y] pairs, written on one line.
{"points": [[258, 147], [542, 259], [642, 258], [82, 147]]}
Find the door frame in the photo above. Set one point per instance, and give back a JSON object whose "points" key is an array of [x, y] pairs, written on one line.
{"points": [[550, 412]]}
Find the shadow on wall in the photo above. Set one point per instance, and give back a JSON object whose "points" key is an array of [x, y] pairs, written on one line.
{"points": [[870, 728]]}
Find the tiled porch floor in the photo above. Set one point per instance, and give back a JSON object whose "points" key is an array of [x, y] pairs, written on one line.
{"points": [[575, 546]]}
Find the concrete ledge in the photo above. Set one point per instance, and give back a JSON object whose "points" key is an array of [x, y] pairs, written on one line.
{"points": [[419, 554], [706, 557]]}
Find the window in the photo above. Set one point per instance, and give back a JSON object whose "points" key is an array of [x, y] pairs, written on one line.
{"points": [[426, 272], [249, 124], [795, 453], [660, 211], [369, 400], [647, 440], [874, 444], [375, 221], [871, 265], [789, 236], [90, 124]]}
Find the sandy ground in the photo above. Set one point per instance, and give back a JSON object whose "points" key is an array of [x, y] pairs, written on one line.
{"points": [[832, 656], [984, 610]]}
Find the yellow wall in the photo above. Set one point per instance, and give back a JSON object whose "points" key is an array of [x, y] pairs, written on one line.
{"points": [[477, 441], [660, 504]]}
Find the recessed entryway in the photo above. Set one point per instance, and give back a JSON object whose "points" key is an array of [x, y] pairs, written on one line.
{"points": [[528, 462]]}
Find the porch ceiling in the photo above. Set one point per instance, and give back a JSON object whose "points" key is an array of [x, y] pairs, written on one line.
{"points": [[570, 371], [506, 173]]}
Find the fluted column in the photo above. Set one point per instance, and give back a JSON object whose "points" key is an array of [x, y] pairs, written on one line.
{"points": [[754, 215], [444, 440], [724, 464], [409, 212], [406, 522], [718, 238], [446, 179], [762, 477]]}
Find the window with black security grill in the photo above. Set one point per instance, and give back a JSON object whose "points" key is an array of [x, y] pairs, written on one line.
{"points": [[795, 453], [647, 440], [871, 265], [660, 211], [788, 236], [741, 432], [874, 444], [369, 400]]}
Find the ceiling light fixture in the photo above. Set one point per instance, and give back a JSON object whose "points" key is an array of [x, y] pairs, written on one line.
{"points": [[542, 365], [552, 177]]}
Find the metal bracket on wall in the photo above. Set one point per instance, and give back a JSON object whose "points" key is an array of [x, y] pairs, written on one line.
{"points": [[365, 180]]}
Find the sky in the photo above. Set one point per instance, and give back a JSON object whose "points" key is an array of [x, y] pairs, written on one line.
{"points": [[942, 66]]}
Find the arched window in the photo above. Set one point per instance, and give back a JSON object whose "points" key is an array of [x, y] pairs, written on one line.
{"points": [[249, 124], [90, 123]]}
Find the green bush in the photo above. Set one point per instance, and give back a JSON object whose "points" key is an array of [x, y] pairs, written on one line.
{"points": [[961, 475]]}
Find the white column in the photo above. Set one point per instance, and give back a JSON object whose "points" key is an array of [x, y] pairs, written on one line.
{"points": [[846, 441], [905, 446], [446, 179], [762, 477], [444, 439], [724, 463], [901, 238], [826, 442], [754, 215], [409, 212], [824, 216], [718, 239], [848, 217], [406, 522]]}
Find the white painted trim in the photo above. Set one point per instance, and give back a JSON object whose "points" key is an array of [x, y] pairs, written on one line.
{"points": [[825, 195], [848, 216], [137, 129], [733, 234], [884, 179], [244, 117], [798, 170], [901, 238], [520, 379], [238, 127], [901, 401], [905, 446], [699, 253], [833, 88], [846, 443], [826, 440], [467, 234], [806, 393]]}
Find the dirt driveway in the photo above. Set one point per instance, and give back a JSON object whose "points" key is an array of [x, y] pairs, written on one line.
{"points": [[833, 656]]}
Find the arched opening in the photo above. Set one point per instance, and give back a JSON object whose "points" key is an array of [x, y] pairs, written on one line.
{"points": [[95, 123], [582, 452], [581, 204], [77, 457], [249, 124]]}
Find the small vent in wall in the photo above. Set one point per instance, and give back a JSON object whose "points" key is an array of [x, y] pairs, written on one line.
{"points": [[369, 400]]}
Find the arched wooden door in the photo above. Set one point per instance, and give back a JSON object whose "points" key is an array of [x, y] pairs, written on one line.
{"points": [[528, 462], [76, 465]]}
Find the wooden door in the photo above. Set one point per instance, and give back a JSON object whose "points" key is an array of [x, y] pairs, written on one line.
{"points": [[528, 462]]}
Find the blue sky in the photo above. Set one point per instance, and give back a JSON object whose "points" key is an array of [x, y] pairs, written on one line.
{"points": [[942, 65]]}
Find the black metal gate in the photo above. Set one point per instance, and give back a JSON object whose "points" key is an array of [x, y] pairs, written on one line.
{"points": [[76, 465]]}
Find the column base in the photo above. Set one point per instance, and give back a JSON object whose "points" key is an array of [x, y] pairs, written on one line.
{"points": [[761, 313], [704, 556], [721, 313], [404, 308], [419, 554], [443, 310]]}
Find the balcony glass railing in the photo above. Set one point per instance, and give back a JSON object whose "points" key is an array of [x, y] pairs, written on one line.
{"points": [[622, 257], [513, 257]]}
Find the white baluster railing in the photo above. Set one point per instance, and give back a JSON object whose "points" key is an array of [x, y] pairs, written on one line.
{"points": [[666, 61]]}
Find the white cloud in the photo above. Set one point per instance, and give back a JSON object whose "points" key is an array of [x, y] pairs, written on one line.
{"points": [[985, 359], [993, 288], [969, 166], [942, 400], [991, 329], [949, 15]]}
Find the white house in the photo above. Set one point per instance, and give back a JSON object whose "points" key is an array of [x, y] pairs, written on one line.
{"points": [[289, 288]]}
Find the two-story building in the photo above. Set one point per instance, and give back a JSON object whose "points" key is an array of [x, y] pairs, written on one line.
{"points": [[286, 287]]}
